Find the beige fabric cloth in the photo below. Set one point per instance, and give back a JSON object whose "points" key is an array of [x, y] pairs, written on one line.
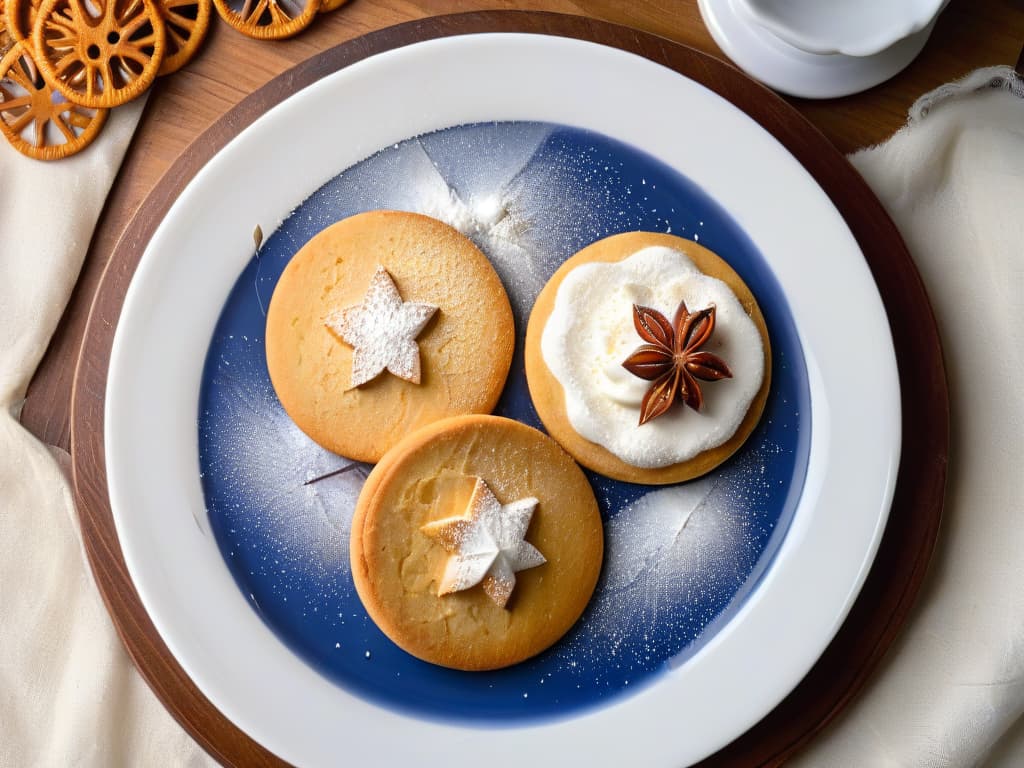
{"points": [[953, 181], [952, 686], [68, 693]]}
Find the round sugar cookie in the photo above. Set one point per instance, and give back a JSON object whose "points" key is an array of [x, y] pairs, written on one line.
{"points": [[422, 515], [549, 396], [460, 352]]}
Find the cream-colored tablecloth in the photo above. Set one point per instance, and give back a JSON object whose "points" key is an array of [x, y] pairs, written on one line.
{"points": [[953, 181], [69, 696], [953, 685]]}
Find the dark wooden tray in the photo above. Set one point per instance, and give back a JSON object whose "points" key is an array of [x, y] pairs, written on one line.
{"points": [[902, 560]]}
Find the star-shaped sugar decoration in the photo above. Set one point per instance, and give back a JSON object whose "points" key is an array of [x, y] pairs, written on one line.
{"points": [[487, 545], [382, 331]]}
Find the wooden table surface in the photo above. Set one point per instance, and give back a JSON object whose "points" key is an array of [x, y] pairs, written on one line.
{"points": [[969, 34]]}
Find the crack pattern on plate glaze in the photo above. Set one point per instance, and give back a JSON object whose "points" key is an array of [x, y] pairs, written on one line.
{"points": [[665, 553], [529, 195]]}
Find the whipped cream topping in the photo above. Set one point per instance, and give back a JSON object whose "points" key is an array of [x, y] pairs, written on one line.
{"points": [[590, 332]]}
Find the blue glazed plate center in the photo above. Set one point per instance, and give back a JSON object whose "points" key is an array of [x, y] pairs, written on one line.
{"points": [[680, 560]]}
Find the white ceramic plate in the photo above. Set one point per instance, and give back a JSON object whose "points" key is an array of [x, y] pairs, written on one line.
{"points": [[203, 244]]}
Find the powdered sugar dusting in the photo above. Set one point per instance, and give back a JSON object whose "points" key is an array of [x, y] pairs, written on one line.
{"points": [[487, 544], [382, 331], [669, 550], [268, 460], [497, 219]]}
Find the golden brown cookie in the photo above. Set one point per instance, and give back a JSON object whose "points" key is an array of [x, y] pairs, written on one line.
{"points": [[549, 396], [322, 328], [447, 485]]}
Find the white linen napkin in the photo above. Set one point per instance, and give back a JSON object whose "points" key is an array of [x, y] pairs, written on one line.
{"points": [[68, 692], [953, 684], [953, 180]]}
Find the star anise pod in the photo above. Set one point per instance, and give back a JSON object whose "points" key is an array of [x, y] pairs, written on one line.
{"points": [[671, 358]]}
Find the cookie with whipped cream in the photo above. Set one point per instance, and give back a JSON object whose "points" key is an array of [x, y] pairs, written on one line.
{"points": [[383, 323], [647, 358], [476, 543]]}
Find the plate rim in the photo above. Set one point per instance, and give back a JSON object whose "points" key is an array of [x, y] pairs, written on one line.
{"points": [[828, 544], [491, 17]]}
